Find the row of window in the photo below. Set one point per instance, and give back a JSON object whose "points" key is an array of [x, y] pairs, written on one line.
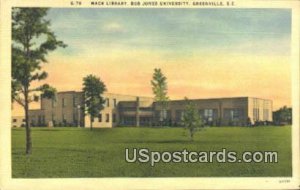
{"points": [[15, 120], [114, 102], [211, 114], [131, 120], [107, 118], [75, 117], [40, 119]]}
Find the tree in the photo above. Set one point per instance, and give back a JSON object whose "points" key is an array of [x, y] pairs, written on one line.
{"points": [[191, 118], [93, 88], [283, 115], [160, 90], [32, 40]]}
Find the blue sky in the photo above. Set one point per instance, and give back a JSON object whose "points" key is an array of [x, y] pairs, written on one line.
{"points": [[202, 52], [174, 30]]}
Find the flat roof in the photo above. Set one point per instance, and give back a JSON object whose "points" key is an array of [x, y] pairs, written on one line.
{"points": [[108, 93], [239, 97], [105, 93]]}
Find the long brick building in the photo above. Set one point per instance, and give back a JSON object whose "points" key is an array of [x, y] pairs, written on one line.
{"points": [[125, 110]]}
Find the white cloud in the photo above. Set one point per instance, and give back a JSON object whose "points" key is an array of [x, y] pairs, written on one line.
{"points": [[113, 27]]}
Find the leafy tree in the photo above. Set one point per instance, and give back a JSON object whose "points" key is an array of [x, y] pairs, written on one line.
{"points": [[93, 88], [32, 40], [191, 118], [160, 91], [283, 115]]}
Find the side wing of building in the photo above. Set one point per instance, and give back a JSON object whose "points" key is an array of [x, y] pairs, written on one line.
{"points": [[64, 110], [260, 110], [214, 112], [115, 113], [239, 111]]}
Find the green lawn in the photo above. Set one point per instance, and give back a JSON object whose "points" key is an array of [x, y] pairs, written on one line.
{"points": [[73, 152]]}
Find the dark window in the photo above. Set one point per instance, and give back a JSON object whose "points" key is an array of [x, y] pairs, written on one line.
{"points": [[99, 117], [107, 102], [92, 119], [234, 114], [114, 118], [53, 103], [107, 117], [63, 102], [14, 120], [208, 114], [74, 117], [178, 115], [63, 118], [201, 113], [24, 120], [39, 119], [74, 101], [129, 121], [115, 102]]}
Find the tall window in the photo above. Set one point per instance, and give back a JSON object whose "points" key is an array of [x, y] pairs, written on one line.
{"points": [[99, 117], [53, 103], [107, 102], [178, 115], [74, 101], [107, 118], [115, 102], [234, 114], [63, 102], [208, 114]]}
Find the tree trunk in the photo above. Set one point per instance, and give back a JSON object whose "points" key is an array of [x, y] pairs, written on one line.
{"points": [[28, 131]]}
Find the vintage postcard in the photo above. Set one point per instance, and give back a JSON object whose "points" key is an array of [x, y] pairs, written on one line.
{"points": [[138, 94]]}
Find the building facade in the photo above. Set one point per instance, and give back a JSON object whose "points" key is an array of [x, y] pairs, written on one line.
{"points": [[239, 111], [67, 109], [112, 115], [63, 110], [18, 121]]}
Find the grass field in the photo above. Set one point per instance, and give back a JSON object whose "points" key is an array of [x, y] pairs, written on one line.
{"points": [[73, 152]]}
